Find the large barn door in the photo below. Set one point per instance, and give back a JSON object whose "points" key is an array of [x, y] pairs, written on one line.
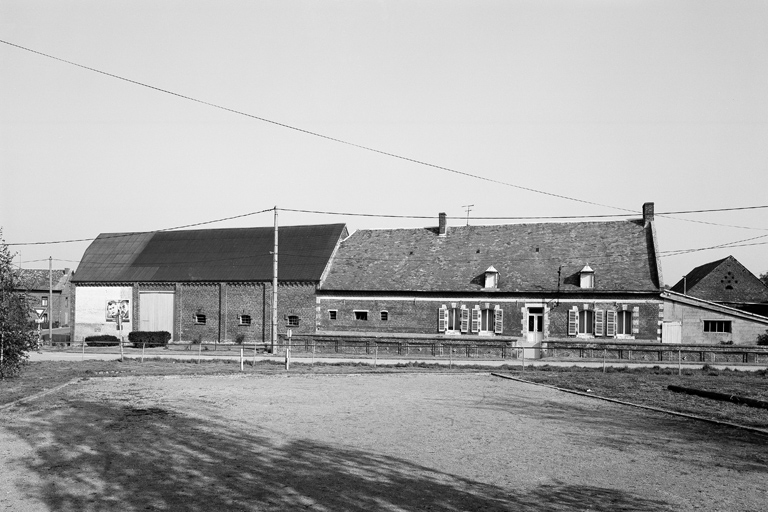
{"points": [[156, 311]]}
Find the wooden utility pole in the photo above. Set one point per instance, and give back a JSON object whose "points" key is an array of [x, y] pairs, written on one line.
{"points": [[274, 290]]}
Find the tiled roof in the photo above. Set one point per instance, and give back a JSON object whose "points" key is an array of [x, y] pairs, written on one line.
{"points": [[527, 257], [696, 275], [238, 254], [37, 279]]}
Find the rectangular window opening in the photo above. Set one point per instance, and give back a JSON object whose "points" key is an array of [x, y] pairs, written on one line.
{"points": [[244, 320], [332, 313], [384, 316], [361, 315], [293, 320], [199, 319], [717, 326]]}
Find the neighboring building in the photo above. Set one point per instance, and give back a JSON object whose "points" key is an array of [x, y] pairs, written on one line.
{"points": [[208, 285], [528, 283], [726, 282], [37, 283], [688, 319]]}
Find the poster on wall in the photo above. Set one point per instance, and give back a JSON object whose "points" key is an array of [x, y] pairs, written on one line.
{"points": [[121, 308]]}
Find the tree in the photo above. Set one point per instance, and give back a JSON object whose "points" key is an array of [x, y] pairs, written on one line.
{"points": [[764, 278], [16, 339]]}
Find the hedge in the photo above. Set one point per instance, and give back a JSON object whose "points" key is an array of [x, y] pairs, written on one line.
{"points": [[102, 340], [149, 338]]}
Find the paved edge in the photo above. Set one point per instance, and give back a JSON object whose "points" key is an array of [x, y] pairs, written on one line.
{"points": [[37, 395], [648, 407]]}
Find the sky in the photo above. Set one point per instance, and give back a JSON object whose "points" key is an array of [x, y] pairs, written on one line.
{"points": [[387, 108]]}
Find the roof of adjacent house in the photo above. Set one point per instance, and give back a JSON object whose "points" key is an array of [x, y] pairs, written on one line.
{"points": [[528, 258], [206, 255], [724, 280], [30, 279]]}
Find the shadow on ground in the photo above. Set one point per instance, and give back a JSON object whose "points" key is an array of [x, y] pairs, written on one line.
{"points": [[103, 456]]}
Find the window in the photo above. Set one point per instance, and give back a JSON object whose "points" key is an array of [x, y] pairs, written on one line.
{"points": [[624, 322], [199, 319], [332, 314], [244, 319], [44, 301], [453, 320], [361, 315], [384, 316], [586, 322], [293, 320], [587, 277], [491, 278], [717, 326]]}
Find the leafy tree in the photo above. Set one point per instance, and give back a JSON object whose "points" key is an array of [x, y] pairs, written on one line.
{"points": [[764, 278], [16, 339]]}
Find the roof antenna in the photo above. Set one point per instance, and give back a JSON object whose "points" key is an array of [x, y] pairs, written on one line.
{"points": [[468, 207]]}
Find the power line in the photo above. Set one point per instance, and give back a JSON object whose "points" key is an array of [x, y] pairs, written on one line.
{"points": [[121, 235], [312, 133]]}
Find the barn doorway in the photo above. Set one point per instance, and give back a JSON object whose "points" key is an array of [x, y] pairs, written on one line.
{"points": [[156, 311]]}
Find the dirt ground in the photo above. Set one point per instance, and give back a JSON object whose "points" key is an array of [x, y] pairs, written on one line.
{"points": [[394, 442]]}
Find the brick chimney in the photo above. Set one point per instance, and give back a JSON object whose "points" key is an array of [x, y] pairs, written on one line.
{"points": [[647, 213], [442, 227]]}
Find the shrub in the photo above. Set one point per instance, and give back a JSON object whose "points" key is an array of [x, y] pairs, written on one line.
{"points": [[102, 340], [762, 339], [149, 338], [240, 338]]}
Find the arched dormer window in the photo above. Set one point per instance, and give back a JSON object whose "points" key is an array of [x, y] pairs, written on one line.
{"points": [[491, 278], [587, 276]]}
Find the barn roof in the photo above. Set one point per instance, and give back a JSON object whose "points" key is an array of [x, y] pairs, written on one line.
{"points": [[528, 257], [206, 255]]}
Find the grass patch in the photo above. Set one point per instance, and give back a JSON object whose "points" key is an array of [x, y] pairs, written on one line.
{"points": [[648, 386]]}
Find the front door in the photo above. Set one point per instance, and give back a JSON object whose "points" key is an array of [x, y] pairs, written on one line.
{"points": [[156, 311], [534, 333]]}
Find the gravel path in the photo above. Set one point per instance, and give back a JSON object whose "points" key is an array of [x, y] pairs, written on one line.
{"points": [[364, 442]]}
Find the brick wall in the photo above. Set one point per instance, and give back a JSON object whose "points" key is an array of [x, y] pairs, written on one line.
{"points": [[421, 316]]}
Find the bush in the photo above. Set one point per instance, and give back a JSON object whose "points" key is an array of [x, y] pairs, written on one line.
{"points": [[102, 340], [149, 338], [762, 339]]}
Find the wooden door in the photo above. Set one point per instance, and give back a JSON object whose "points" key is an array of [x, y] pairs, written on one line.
{"points": [[156, 311]]}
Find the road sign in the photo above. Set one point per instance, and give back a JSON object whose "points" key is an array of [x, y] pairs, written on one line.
{"points": [[40, 312]]}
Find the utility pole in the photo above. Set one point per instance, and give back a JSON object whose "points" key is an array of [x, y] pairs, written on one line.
{"points": [[50, 300], [468, 207], [274, 290]]}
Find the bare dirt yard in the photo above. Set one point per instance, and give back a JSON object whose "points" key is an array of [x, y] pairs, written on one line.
{"points": [[394, 442]]}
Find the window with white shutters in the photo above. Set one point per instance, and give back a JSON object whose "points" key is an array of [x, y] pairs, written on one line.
{"points": [[599, 316], [464, 319], [476, 320], [573, 322], [610, 323], [442, 319]]}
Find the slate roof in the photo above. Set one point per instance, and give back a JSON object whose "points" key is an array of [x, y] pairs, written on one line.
{"points": [[527, 257], [210, 255], [30, 279], [725, 280]]}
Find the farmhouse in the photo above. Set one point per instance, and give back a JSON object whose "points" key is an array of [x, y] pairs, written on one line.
{"points": [[211, 285], [528, 283], [44, 286]]}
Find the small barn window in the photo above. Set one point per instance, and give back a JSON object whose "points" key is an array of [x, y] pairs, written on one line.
{"points": [[361, 315], [199, 319], [384, 316], [245, 319], [332, 314], [293, 320], [717, 326]]}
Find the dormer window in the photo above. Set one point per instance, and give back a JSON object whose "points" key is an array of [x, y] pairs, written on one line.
{"points": [[491, 278], [587, 277]]}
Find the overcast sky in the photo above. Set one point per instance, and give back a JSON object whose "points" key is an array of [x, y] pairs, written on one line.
{"points": [[567, 108]]}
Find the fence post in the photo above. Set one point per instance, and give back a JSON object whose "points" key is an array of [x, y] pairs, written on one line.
{"points": [[199, 350], [241, 358], [122, 353], [679, 362], [143, 345], [313, 352], [523, 351], [82, 358], [604, 352], [450, 357], [375, 354]]}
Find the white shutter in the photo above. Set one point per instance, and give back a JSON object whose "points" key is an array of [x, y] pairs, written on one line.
{"points": [[610, 324], [636, 320], [464, 320], [442, 319], [476, 320], [573, 322], [498, 321], [599, 322]]}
